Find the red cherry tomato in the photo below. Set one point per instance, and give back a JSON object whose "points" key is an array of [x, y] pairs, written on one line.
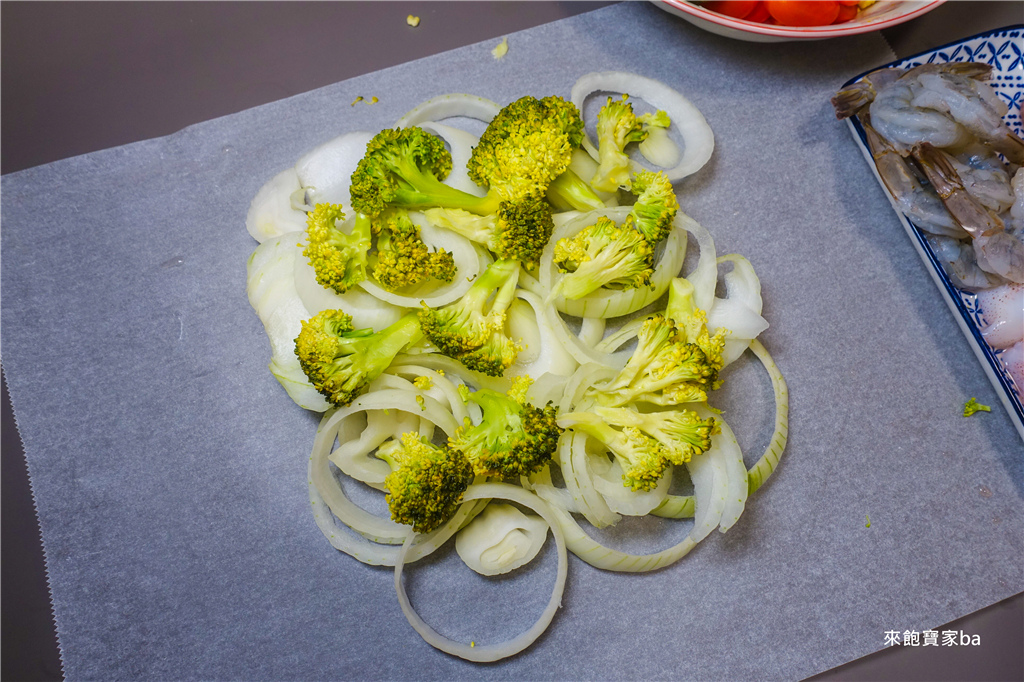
{"points": [[849, 3], [846, 12], [760, 14], [803, 12], [737, 9]]}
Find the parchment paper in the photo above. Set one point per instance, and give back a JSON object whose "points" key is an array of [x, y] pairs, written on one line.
{"points": [[169, 467]]}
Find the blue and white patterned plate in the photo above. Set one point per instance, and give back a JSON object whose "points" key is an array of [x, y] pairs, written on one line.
{"points": [[1004, 50]]}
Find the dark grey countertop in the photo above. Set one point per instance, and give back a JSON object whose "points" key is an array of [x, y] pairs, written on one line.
{"points": [[82, 77]]}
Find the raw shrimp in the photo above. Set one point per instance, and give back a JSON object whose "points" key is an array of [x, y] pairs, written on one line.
{"points": [[945, 106], [997, 251], [984, 177], [853, 99], [1017, 209], [973, 105], [895, 117], [960, 264], [1003, 308], [919, 203]]}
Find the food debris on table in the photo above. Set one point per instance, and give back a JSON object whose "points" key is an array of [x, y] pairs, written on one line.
{"points": [[501, 49], [972, 406], [412, 20], [357, 100]]}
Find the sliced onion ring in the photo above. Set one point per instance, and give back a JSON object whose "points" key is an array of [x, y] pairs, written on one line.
{"points": [[491, 652], [698, 139], [449, 106]]}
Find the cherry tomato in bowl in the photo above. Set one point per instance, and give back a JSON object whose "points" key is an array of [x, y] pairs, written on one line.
{"points": [[803, 12], [737, 9]]}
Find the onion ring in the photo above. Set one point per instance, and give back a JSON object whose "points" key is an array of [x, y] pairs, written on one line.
{"points": [[698, 139], [491, 652]]}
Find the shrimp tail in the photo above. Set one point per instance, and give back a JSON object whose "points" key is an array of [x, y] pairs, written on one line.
{"points": [[852, 100], [971, 215]]}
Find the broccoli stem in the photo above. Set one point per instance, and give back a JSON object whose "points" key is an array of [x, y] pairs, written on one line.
{"points": [[681, 306], [572, 190], [425, 191]]}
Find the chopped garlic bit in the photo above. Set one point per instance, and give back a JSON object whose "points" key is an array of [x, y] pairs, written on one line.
{"points": [[412, 20], [501, 49]]}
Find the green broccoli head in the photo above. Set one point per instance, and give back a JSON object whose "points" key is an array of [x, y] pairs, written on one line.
{"points": [[403, 260], [514, 438], [656, 205], [692, 323], [404, 168], [518, 230], [617, 126], [603, 254], [641, 457], [426, 483], [338, 259], [340, 361], [664, 369], [526, 146], [682, 433], [471, 329]]}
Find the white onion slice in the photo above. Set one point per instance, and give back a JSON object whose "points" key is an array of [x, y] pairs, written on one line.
{"points": [[460, 144], [369, 525], [698, 139], [543, 352], [606, 558], [764, 467], [270, 283], [710, 482], [726, 449], [704, 276], [492, 652], [449, 106], [628, 502], [500, 539], [271, 213], [326, 171]]}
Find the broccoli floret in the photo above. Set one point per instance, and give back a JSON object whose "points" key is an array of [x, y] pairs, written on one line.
{"points": [[339, 360], [525, 146], [692, 323], [972, 407], [514, 438], [403, 168], [663, 370], [604, 254], [656, 205], [657, 119], [518, 230], [681, 433], [471, 330], [403, 259], [617, 126], [338, 259], [641, 457], [426, 482], [571, 191]]}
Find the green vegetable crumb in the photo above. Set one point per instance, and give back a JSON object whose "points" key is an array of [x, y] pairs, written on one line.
{"points": [[972, 406], [868, 524]]}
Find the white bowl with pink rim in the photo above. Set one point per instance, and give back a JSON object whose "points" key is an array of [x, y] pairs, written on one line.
{"points": [[878, 16]]}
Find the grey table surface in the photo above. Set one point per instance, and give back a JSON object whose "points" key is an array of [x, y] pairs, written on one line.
{"points": [[79, 77]]}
